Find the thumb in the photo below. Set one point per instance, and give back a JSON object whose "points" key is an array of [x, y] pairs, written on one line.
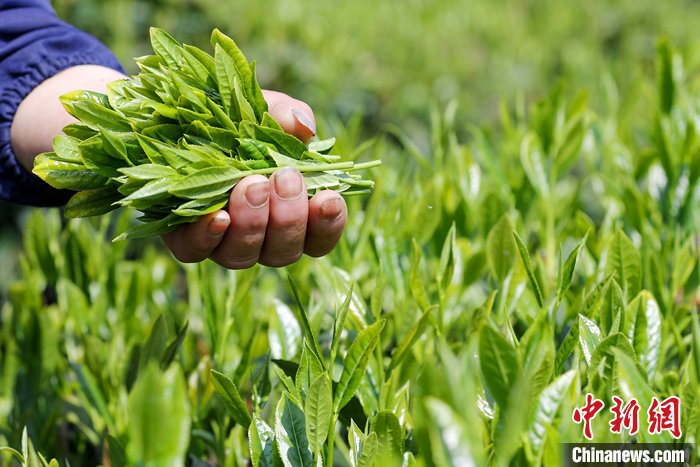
{"points": [[295, 116]]}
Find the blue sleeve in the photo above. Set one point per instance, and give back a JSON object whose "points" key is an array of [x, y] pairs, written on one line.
{"points": [[35, 45]]}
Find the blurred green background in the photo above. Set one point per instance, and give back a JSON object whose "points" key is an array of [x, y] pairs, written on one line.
{"points": [[391, 59]]}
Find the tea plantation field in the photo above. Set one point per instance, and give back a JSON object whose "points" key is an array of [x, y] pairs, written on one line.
{"points": [[533, 238]]}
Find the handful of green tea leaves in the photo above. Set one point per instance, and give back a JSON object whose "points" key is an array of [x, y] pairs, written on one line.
{"points": [[172, 141]]}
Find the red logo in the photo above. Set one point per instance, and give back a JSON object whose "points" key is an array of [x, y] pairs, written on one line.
{"points": [[625, 417], [662, 416], [665, 416], [586, 414]]}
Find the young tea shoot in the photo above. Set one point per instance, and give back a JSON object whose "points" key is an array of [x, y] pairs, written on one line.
{"points": [[173, 141]]}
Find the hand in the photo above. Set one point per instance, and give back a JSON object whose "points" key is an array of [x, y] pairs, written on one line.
{"points": [[268, 221], [271, 222]]}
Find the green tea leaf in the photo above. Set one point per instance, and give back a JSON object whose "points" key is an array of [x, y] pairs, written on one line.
{"points": [[390, 436], [153, 190], [117, 454], [31, 457], [499, 364], [225, 74], [262, 443], [643, 329], [533, 165], [149, 171], [114, 145], [370, 448], [500, 248], [241, 95], [154, 346], [665, 75], [634, 385], [153, 229], [448, 259], [548, 405], [172, 348], [93, 202], [413, 335], [287, 382], [94, 115], [605, 351], [610, 308], [228, 393], [201, 64], [567, 273], [696, 344], [525, 256], [166, 47], [589, 337], [355, 440], [244, 73], [159, 418], [317, 410], [321, 146], [96, 158], [449, 434], [67, 149], [339, 324], [304, 320], [64, 175], [290, 432], [289, 145], [201, 207], [417, 289], [309, 369], [537, 355], [566, 348], [625, 262], [355, 364], [13, 452], [207, 183], [78, 131]]}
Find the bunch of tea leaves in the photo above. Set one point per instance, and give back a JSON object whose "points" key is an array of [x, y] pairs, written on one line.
{"points": [[172, 141]]}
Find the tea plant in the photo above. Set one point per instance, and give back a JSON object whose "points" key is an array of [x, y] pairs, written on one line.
{"points": [[477, 296]]}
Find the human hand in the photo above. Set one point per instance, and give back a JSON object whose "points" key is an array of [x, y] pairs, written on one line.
{"points": [[271, 222]]}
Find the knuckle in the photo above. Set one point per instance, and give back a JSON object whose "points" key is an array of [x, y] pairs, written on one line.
{"points": [[291, 226], [250, 242]]}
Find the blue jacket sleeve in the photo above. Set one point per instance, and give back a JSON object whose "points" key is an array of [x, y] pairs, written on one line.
{"points": [[35, 45]]}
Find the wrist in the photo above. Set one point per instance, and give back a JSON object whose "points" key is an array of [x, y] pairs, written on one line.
{"points": [[40, 116]]}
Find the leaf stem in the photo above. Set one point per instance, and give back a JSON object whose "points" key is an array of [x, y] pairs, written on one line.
{"points": [[331, 440], [367, 165]]}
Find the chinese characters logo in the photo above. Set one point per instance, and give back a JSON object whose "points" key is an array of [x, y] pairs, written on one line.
{"points": [[661, 416]]}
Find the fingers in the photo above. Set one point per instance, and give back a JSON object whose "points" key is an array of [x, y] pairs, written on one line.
{"points": [[268, 221], [328, 215], [249, 207], [286, 227], [191, 243], [295, 116]]}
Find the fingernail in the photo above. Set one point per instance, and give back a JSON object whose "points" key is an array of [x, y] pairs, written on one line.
{"points": [[288, 183], [302, 118], [218, 225], [257, 194], [331, 209]]}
